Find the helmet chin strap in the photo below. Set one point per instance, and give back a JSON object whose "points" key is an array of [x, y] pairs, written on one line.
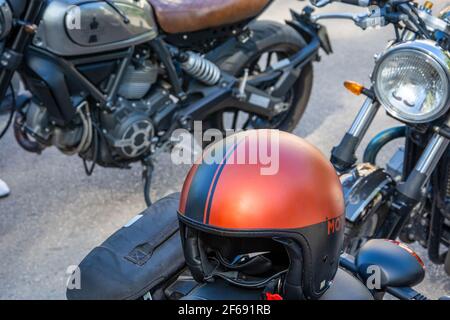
{"points": [[232, 277], [292, 286], [232, 274]]}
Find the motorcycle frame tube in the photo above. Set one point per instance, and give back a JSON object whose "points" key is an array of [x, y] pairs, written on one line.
{"points": [[380, 140], [218, 98], [112, 95], [343, 155], [69, 69], [162, 50]]}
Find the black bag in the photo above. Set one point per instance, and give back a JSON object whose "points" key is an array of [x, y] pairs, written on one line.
{"points": [[134, 261]]}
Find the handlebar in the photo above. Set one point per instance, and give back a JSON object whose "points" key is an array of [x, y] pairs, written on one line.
{"points": [[359, 3], [404, 12]]}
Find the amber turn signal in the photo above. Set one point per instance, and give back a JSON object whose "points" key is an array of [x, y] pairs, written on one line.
{"points": [[354, 87], [428, 5]]}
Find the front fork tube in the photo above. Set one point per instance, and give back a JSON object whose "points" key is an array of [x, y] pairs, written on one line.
{"points": [[343, 155], [409, 193]]}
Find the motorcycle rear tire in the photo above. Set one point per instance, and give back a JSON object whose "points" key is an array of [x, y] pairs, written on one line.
{"points": [[267, 36]]}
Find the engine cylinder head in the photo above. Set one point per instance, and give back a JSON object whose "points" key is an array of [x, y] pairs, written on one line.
{"points": [[138, 81]]}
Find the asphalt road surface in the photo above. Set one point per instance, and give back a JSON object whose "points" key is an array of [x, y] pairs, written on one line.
{"points": [[55, 214]]}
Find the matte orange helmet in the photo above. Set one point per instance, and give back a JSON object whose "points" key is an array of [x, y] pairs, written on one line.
{"points": [[263, 206]]}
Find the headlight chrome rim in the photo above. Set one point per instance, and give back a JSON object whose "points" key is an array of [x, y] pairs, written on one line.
{"points": [[6, 19], [437, 57]]}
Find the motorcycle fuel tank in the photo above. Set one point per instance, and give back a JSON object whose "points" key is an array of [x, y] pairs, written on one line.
{"points": [[78, 27]]}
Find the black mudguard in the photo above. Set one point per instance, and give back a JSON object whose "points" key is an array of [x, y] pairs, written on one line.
{"points": [[309, 30], [137, 259]]}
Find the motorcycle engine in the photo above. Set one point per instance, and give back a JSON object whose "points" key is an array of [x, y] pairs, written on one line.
{"points": [[138, 80], [39, 126], [129, 129], [127, 126]]}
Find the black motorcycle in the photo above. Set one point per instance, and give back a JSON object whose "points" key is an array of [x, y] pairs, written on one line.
{"points": [[410, 198], [110, 80], [145, 260]]}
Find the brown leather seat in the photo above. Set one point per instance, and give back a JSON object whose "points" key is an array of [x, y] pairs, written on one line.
{"points": [[178, 16]]}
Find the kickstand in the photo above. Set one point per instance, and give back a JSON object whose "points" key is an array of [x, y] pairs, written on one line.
{"points": [[147, 175]]}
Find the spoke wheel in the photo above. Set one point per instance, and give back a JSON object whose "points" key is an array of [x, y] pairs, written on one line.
{"points": [[235, 119]]}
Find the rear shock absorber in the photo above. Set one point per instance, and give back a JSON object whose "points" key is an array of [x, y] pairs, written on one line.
{"points": [[199, 67]]}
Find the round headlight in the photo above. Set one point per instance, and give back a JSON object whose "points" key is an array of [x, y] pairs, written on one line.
{"points": [[411, 80], [6, 19]]}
